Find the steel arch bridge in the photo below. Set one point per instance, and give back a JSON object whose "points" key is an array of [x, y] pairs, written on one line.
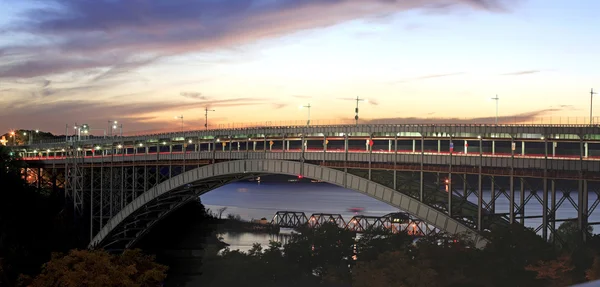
{"points": [[189, 185], [126, 184]]}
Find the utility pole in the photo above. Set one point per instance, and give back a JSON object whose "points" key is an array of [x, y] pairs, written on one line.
{"points": [[592, 93], [206, 110], [180, 117], [308, 119], [496, 99], [356, 110]]}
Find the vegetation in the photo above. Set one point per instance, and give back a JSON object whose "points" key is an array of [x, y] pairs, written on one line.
{"points": [[99, 268], [324, 256]]}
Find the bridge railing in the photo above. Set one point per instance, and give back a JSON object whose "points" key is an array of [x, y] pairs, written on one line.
{"points": [[456, 122]]}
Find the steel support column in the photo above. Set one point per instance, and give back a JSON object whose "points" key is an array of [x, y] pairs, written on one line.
{"points": [[480, 190]]}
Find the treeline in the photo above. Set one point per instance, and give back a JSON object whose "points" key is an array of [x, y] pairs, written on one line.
{"points": [[329, 256]]}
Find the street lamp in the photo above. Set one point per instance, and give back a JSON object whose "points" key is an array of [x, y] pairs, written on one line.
{"points": [[356, 110], [308, 107], [31, 133], [592, 93], [12, 134], [113, 125], [180, 117], [496, 99], [206, 110]]}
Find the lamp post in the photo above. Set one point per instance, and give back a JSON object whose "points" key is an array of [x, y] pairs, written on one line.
{"points": [[308, 119], [83, 129], [113, 125], [12, 134], [29, 134], [592, 93], [356, 110], [206, 110], [180, 117], [496, 99]]}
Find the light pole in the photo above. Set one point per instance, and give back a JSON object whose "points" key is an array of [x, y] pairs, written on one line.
{"points": [[113, 125], [592, 93], [308, 107], [180, 117], [30, 136], [496, 99], [85, 129], [12, 134], [206, 110], [356, 110]]}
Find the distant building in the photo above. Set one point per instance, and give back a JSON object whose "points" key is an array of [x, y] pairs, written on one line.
{"points": [[260, 221]]}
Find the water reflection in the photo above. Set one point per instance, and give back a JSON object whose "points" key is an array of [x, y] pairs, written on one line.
{"points": [[243, 241]]}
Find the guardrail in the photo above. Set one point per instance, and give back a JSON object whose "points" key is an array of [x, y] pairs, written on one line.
{"points": [[428, 122]]}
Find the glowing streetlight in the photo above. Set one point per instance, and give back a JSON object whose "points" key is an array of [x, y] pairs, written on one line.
{"points": [[181, 118], [113, 125], [308, 107]]}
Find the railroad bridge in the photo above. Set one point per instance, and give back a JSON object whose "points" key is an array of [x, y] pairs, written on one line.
{"points": [[450, 176]]}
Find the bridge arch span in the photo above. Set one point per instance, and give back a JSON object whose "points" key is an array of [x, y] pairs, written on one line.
{"points": [[123, 228]]}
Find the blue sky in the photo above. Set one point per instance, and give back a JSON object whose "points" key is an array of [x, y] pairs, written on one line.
{"points": [[256, 61]]}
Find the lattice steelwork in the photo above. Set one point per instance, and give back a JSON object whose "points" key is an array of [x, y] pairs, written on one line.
{"points": [[289, 219], [318, 219], [459, 177]]}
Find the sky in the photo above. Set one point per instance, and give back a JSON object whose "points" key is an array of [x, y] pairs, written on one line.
{"points": [[144, 62]]}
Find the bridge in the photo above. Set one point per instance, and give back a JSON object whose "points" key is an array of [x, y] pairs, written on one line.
{"points": [[449, 176], [392, 222]]}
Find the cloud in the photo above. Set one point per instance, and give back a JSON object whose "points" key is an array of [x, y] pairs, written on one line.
{"points": [[135, 116], [86, 34], [302, 97], [433, 76], [369, 101], [520, 73], [193, 95], [528, 117]]}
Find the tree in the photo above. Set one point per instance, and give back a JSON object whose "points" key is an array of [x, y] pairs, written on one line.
{"points": [[569, 237], [594, 272], [394, 269], [509, 250], [316, 250], [374, 242], [556, 272], [99, 268], [221, 210]]}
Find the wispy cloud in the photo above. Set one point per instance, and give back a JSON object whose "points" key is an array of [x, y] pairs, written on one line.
{"points": [[113, 34], [426, 77], [369, 101], [527, 117], [193, 95], [302, 97], [520, 73]]}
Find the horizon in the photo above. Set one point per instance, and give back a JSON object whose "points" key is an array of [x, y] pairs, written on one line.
{"points": [[256, 61]]}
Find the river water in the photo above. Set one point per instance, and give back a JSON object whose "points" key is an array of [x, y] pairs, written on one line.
{"points": [[251, 200]]}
